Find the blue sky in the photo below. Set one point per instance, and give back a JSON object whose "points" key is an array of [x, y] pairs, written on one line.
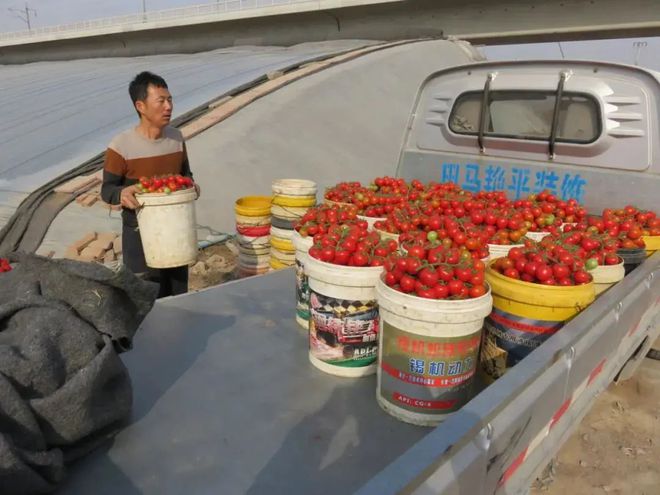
{"points": [[53, 12]]}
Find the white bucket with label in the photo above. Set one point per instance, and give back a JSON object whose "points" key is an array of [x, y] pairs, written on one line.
{"points": [[605, 276], [302, 245], [500, 250], [167, 225], [343, 323], [428, 354]]}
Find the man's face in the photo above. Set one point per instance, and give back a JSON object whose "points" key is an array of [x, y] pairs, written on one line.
{"points": [[157, 106]]}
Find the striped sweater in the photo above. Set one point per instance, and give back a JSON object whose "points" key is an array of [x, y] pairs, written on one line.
{"points": [[131, 156]]}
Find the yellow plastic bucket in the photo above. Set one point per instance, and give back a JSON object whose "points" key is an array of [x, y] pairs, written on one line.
{"points": [[276, 264], [524, 316], [282, 245], [253, 206], [652, 243], [295, 201]]}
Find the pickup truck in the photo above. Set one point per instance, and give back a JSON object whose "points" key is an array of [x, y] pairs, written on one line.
{"points": [[226, 401]]}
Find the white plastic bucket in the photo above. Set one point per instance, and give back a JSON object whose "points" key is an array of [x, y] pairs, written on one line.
{"points": [[371, 220], [258, 250], [605, 276], [428, 354], [302, 245], [343, 323], [536, 236], [500, 251], [252, 221], [294, 187], [284, 234], [167, 225], [288, 212], [248, 241]]}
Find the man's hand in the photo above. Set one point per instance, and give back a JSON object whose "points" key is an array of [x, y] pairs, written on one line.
{"points": [[127, 198], [197, 190]]}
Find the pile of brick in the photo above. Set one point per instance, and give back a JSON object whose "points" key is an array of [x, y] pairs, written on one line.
{"points": [[102, 248], [86, 189]]}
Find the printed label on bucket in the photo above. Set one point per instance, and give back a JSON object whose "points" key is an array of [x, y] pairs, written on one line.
{"points": [[425, 374], [517, 336], [343, 332], [302, 291]]}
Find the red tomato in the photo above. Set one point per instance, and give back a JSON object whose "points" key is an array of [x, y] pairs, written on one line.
{"points": [[407, 283], [581, 277], [441, 292], [455, 287]]}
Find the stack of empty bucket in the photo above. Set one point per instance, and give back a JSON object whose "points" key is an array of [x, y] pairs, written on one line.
{"points": [[291, 200], [253, 222]]}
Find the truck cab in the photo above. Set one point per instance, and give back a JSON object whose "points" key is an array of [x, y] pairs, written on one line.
{"points": [[574, 128]]}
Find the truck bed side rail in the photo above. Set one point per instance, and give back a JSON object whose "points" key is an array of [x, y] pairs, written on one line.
{"points": [[502, 439]]}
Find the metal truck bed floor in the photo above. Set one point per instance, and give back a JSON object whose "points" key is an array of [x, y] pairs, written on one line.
{"points": [[226, 402]]}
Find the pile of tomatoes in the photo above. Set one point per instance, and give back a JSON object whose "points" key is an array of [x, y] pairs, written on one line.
{"points": [[352, 245], [4, 265], [436, 273], [164, 184], [549, 264], [320, 219]]}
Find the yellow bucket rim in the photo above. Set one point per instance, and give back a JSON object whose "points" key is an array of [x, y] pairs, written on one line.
{"points": [[295, 201], [253, 206], [543, 302]]}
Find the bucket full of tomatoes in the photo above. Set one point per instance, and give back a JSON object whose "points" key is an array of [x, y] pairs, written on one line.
{"points": [[343, 267], [432, 309], [536, 290], [167, 221]]}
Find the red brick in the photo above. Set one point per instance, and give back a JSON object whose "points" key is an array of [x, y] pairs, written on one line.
{"points": [[109, 257], [89, 200], [116, 245], [83, 242], [92, 253], [101, 243], [72, 254]]}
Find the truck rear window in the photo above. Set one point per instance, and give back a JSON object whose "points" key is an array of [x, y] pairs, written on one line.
{"points": [[528, 115]]}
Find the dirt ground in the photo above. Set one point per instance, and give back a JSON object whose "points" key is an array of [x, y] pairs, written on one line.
{"points": [[216, 265], [616, 449]]}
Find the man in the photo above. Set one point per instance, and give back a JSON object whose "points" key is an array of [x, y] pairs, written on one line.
{"points": [[151, 148]]}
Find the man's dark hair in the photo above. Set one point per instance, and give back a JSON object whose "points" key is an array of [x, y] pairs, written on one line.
{"points": [[138, 87]]}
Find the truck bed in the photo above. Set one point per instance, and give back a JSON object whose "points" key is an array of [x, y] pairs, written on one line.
{"points": [[227, 402]]}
